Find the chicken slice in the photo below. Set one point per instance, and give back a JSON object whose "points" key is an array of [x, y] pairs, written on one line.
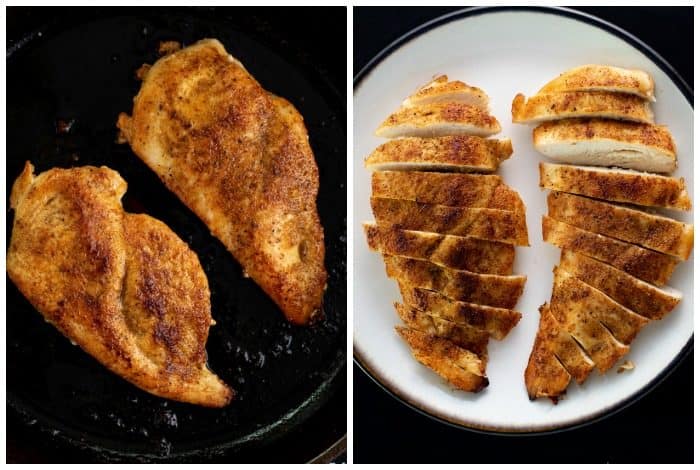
{"points": [[638, 296], [488, 224], [603, 78], [240, 159], [439, 119], [545, 376], [496, 321], [440, 90], [579, 104], [462, 335], [121, 286], [486, 289], [458, 153], [650, 231], [447, 189], [570, 292], [640, 262], [461, 368], [469, 254], [604, 142], [617, 185]]}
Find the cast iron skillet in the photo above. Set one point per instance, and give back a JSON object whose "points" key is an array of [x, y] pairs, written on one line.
{"points": [[66, 84]]}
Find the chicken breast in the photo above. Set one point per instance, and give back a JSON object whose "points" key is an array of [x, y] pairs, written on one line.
{"points": [[545, 376], [497, 322], [603, 78], [439, 119], [466, 253], [639, 296], [572, 294], [604, 142], [596, 340], [461, 368], [625, 186], [462, 335], [240, 159], [486, 289], [440, 90], [487, 224], [640, 262], [448, 189], [650, 231], [458, 153], [578, 104], [123, 287]]}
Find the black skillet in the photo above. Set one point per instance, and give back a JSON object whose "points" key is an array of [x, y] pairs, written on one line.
{"points": [[66, 83]]}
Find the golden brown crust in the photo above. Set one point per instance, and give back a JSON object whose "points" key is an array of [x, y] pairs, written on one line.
{"points": [[552, 106], [496, 321], [432, 118], [643, 189], [573, 294], [467, 153], [442, 90], [545, 376], [447, 189], [636, 295], [648, 265], [462, 335], [469, 254], [487, 224], [651, 231], [459, 367], [239, 157], [486, 289], [123, 287], [603, 78]]}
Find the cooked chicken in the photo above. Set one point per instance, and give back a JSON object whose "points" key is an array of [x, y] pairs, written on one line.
{"points": [[643, 263], [487, 224], [461, 368], [459, 154], [486, 289], [626, 186], [650, 231], [462, 335], [575, 319], [496, 321], [639, 296], [603, 78], [440, 90], [580, 104], [570, 293], [121, 286], [469, 254], [447, 189], [240, 158], [439, 119], [603, 142]]}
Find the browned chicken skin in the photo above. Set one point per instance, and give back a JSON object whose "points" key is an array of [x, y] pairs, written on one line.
{"points": [[240, 159], [121, 286]]}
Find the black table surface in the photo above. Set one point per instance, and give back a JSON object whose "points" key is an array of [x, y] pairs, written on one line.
{"points": [[658, 428]]}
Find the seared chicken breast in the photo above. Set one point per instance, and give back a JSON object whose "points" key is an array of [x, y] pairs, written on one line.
{"points": [[439, 119], [603, 78], [239, 158], [617, 185], [123, 287], [605, 142], [580, 104], [455, 153], [441, 90]]}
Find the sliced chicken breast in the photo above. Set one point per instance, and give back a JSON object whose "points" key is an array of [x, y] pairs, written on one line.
{"points": [[603, 78], [440, 90], [545, 376], [439, 119]]}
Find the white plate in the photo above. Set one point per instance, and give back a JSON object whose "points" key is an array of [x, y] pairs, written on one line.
{"points": [[505, 52]]}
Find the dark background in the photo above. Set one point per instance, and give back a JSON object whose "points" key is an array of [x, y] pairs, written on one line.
{"points": [[291, 34], [658, 428]]}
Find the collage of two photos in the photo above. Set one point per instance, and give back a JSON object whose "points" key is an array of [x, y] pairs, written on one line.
{"points": [[515, 184]]}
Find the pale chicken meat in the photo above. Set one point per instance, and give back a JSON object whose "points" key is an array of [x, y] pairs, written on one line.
{"points": [[239, 158], [123, 287]]}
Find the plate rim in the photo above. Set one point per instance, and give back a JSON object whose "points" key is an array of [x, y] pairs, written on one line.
{"points": [[382, 381]]}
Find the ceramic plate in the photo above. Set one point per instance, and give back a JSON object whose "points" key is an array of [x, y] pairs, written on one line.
{"points": [[504, 52]]}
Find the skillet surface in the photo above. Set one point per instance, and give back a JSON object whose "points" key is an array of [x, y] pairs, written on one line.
{"points": [[80, 70]]}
